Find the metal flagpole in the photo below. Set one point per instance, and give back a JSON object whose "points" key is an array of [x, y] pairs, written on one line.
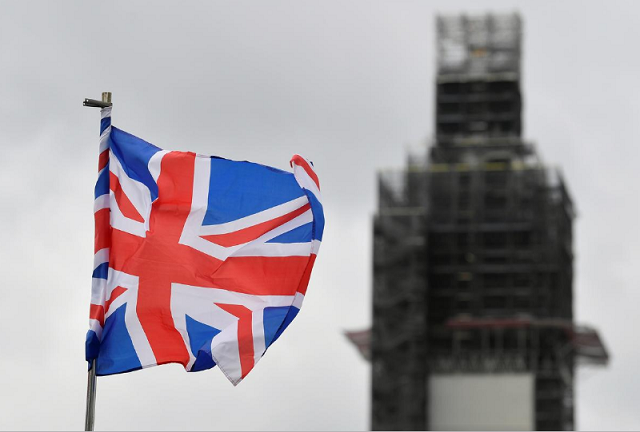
{"points": [[91, 381], [91, 398]]}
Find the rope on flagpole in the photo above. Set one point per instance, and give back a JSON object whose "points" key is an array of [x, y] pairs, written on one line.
{"points": [[91, 380]]}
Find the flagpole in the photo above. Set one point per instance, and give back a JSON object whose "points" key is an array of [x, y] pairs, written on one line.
{"points": [[91, 398], [91, 379]]}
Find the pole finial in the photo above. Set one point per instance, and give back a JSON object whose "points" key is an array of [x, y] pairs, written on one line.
{"points": [[106, 97]]}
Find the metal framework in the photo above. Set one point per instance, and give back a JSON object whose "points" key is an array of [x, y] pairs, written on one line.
{"points": [[473, 260]]}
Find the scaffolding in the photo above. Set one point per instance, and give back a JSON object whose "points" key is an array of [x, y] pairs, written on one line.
{"points": [[473, 258], [469, 262], [478, 83], [478, 45], [399, 330]]}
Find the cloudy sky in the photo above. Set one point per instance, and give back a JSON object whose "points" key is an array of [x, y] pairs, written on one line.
{"points": [[347, 84]]}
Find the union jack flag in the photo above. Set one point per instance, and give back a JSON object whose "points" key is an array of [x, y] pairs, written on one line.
{"points": [[199, 260]]}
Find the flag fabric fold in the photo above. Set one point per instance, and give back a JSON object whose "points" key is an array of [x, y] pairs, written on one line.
{"points": [[199, 260]]}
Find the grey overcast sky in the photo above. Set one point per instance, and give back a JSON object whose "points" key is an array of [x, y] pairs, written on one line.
{"points": [[348, 84]]}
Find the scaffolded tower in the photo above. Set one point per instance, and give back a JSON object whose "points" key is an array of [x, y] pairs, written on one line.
{"points": [[473, 261]]}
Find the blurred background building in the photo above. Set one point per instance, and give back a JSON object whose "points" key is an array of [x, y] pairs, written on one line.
{"points": [[473, 259]]}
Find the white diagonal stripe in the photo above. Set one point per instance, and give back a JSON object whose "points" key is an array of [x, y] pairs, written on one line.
{"points": [[257, 328], [255, 219], [155, 164], [105, 112], [101, 202]]}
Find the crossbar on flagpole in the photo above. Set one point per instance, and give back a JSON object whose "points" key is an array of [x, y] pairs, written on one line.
{"points": [[91, 380], [95, 103]]}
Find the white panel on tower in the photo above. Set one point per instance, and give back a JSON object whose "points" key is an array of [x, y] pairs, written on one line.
{"points": [[465, 401]]}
